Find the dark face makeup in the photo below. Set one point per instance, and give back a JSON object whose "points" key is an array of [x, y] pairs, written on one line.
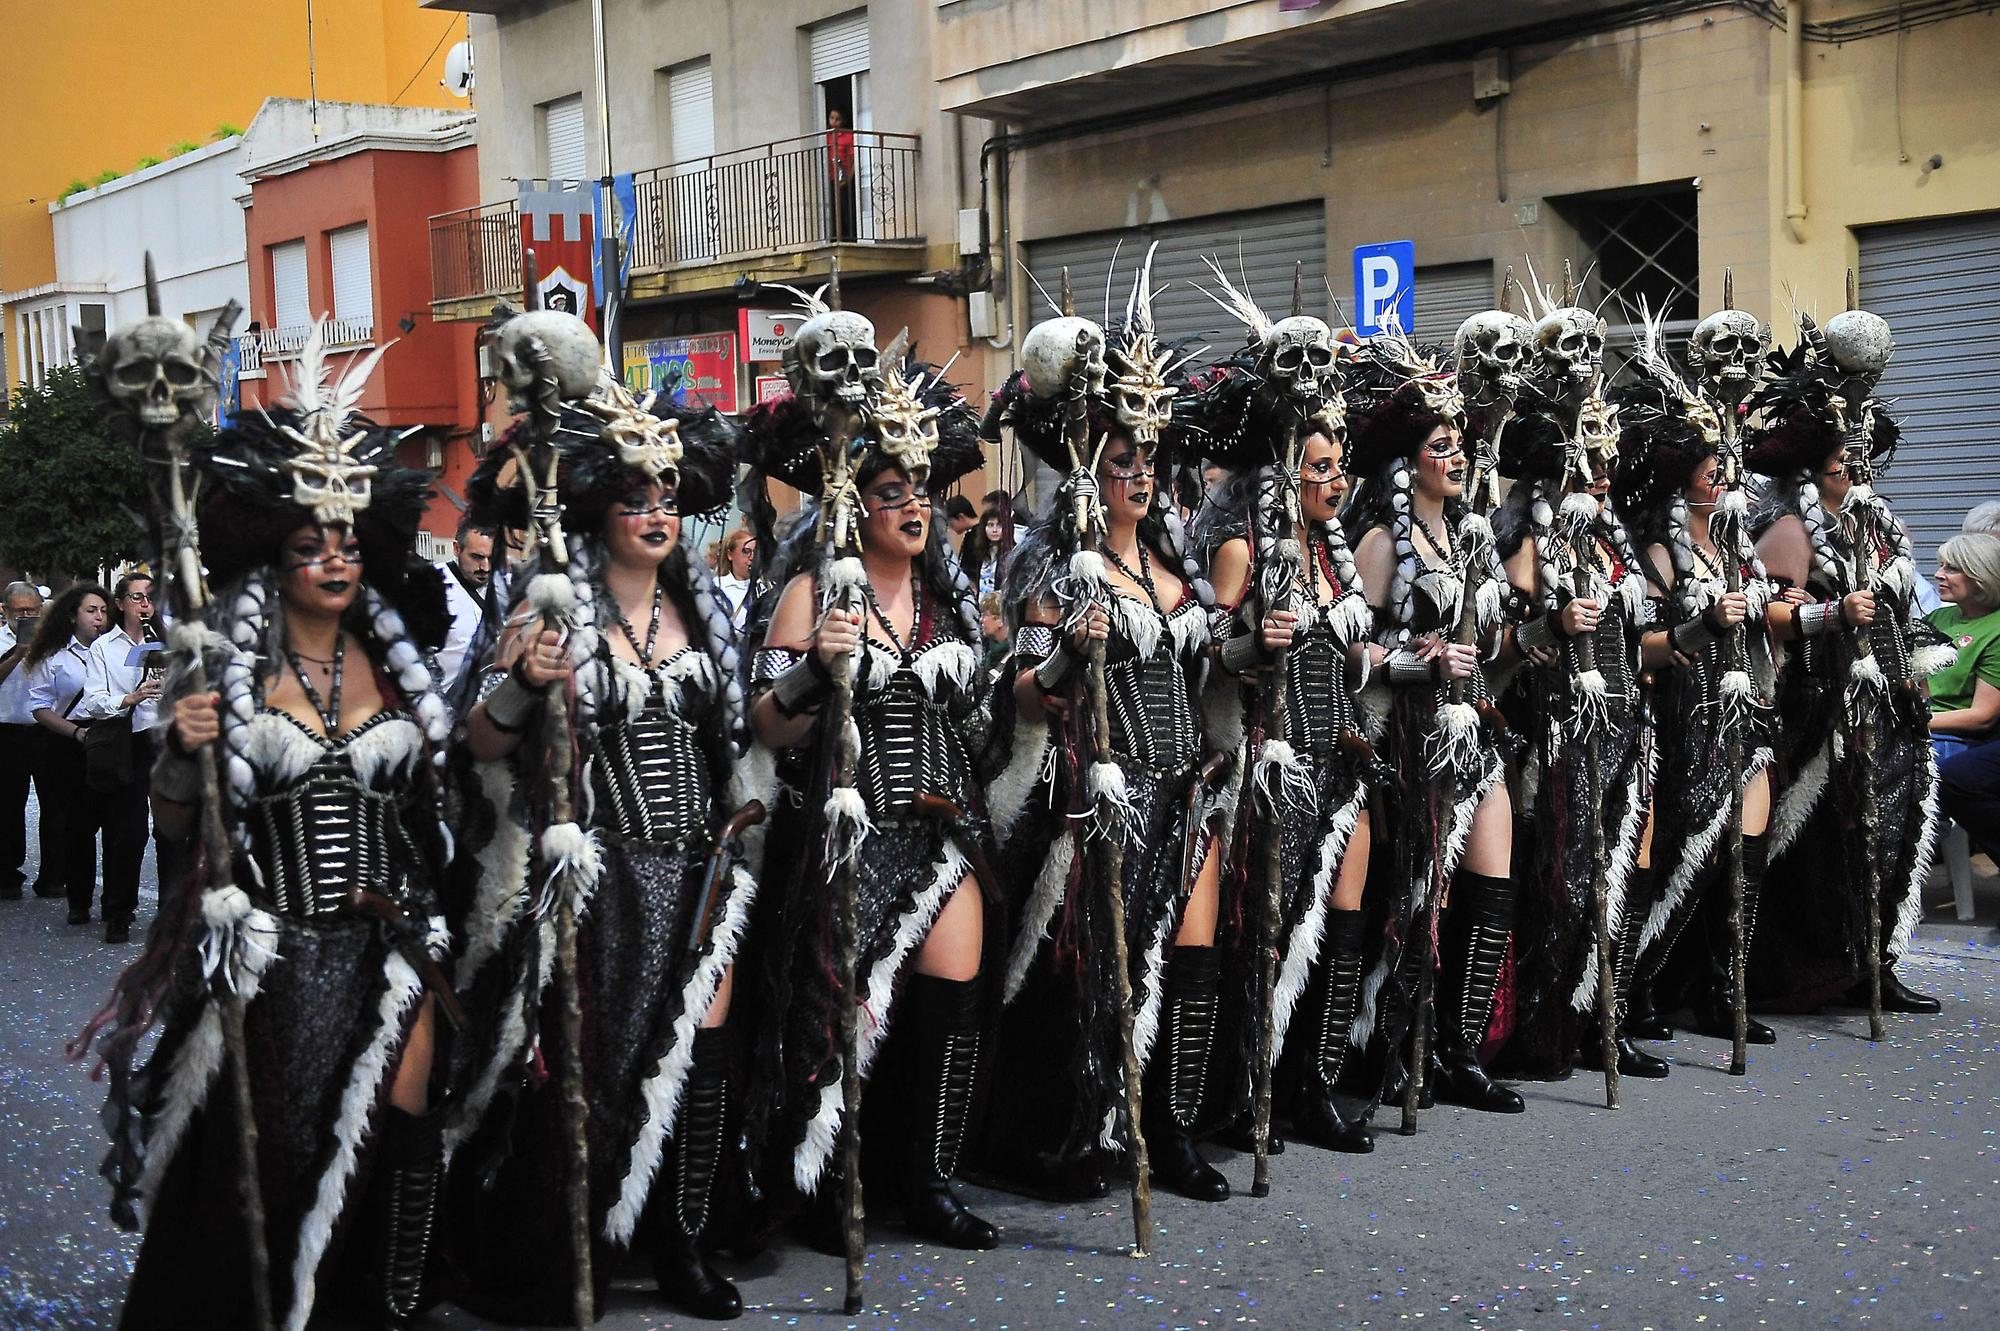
{"points": [[642, 527], [1441, 464], [1125, 479], [1321, 480], [322, 569], [895, 515], [1834, 481]]}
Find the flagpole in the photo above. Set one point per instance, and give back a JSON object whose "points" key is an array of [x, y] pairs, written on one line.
{"points": [[611, 286]]}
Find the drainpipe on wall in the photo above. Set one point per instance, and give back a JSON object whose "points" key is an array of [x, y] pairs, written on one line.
{"points": [[1795, 129]]}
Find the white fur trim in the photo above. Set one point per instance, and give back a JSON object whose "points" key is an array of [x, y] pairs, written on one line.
{"points": [[1039, 911], [1007, 797], [846, 574], [386, 748], [1800, 798], [1694, 858], [1302, 948], [551, 594], [1911, 908], [1624, 854], [357, 1111], [278, 750], [946, 660], [1137, 624], [661, 1091], [809, 1159], [1927, 661], [574, 861]]}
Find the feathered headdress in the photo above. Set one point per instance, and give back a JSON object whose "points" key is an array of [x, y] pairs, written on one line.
{"points": [[1664, 427], [1801, 412], [1396, 395]]}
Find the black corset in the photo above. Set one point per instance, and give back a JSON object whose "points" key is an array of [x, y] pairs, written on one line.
{"points": [[909, 747], [1318, 707], [1152, 718], [651, 779], [320, 838], [1611, 654]]}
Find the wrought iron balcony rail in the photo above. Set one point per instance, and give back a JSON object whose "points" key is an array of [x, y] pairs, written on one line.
{"points": [[795, 194], [476, 252], [285, 343]]}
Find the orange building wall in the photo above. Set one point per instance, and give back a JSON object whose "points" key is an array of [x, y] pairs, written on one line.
{"points": [[91, 87], [429, 377]]}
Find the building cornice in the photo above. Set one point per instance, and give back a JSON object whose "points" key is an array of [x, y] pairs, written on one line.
{"points": [[439, 140], [153, 172]]}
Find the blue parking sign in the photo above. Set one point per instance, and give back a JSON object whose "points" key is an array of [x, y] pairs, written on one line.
{"points": [[1385, 287]]}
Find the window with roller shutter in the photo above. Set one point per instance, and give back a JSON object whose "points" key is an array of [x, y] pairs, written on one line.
{"points": [[562, 138], [353, 275], [291, 306]]}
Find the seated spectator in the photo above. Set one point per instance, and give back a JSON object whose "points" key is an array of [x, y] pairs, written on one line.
{"points": [[1965, 697]]}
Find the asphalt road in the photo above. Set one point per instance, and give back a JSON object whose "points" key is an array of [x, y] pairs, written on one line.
{"points": [[1839, 1184]]}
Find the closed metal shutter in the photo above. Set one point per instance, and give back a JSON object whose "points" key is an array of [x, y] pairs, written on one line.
{"points": [[290, 305], [1260, 248], [691, 111], [1938, 285], [1447, 295], [353, 276], [840, 46], [562, 138]]}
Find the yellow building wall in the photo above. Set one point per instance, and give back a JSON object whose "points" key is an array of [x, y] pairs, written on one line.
{"points": [[94, 87], [1856, 174]]}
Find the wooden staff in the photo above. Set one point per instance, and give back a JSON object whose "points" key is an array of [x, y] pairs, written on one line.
{"points": [[174, 523], [846, 925], [1600, 888], [1279, 517], [1087, 517], [538, 466]]}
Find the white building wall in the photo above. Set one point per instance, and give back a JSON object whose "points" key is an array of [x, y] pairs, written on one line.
{"points": [[184, 210]]}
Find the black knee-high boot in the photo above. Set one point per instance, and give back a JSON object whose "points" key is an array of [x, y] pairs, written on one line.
{"points": [[1473, 940], [1713, 1007], [412, 1161], [946, 1016], [681, 1194], [1315, 1116], [1641, 1019], [1176, 1072], [1626, 990]]}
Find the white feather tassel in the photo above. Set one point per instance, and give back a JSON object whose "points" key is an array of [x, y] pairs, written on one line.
{"points": [[847, 826], [1110, 802], [574, 861], [1455, 744]]}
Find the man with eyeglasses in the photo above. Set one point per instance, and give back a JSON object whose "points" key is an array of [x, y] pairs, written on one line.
{"points": [[20, 740], [122, 681]]}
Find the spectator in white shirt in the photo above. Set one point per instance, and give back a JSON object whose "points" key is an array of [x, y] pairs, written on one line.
{"points": [[58, 663], [732, 573], [21, 743], [467, 587], [122, 685]]}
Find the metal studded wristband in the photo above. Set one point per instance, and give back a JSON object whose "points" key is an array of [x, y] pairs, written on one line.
{"points": [[1406, 670], [1691, 636], [1818, 618], [1054, 668], [1537, 634], [511, 703], [1242, 651], [800, 688]]}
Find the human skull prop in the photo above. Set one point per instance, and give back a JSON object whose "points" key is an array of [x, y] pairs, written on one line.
{"points": [[561, 342], [1860, 342], [1299, 358], [1492, 349], [158, 370], [1056, 350], [1569, 349], [835, 361], [1729, 348], [905, 429]]}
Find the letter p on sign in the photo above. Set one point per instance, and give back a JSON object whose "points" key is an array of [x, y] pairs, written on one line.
{"points": [[1385, 287]]}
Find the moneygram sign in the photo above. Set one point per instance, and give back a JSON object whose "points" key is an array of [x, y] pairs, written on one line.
{"points": [[763, 333]]}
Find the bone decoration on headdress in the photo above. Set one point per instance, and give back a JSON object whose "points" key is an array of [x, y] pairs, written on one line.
{"points": [[647, 443], [1138, 389], [1728, 349], [1569, 341], [905, 426], [1293, 358], [326, 476]]}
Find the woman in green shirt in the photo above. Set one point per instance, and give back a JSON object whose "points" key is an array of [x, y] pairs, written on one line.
{"points": [[1965, 696]]}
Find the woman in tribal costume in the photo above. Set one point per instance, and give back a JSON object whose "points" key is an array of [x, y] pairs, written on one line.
{"points": [[868, 575], [636, 633], [1859, 647], [327, 922], [1668, 489], [1285, 582], [1059, 1096], [1569, 559], [1453, 834]]}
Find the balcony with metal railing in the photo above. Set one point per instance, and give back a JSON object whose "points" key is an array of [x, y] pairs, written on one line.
{"points": [[776, 211]]}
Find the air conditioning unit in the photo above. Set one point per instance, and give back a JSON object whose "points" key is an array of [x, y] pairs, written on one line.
{"points": [[983, 313]]}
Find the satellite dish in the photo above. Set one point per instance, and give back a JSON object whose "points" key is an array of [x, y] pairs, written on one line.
{"points": [[458, 70]]}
